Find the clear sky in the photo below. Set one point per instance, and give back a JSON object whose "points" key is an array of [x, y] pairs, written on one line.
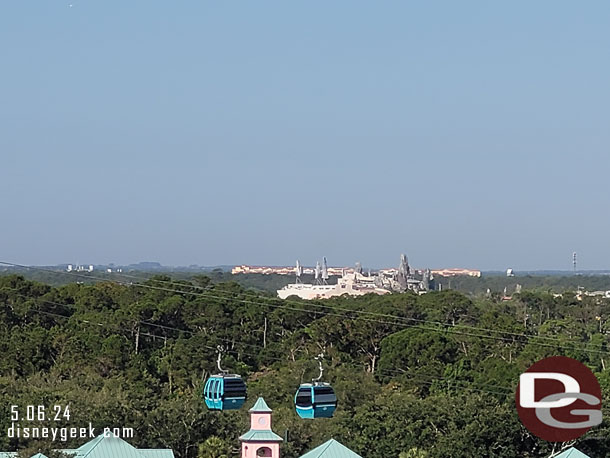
{"points": [[465, 134]]}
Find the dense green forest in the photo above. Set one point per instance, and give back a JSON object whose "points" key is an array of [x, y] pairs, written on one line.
{"points": [[550, 283], [431, 375]]}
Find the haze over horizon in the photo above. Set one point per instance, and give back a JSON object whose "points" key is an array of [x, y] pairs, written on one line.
{"points": [[465, 134], [308, 264]]}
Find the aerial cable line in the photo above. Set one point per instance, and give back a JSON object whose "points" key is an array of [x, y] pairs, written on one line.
{"points": [[446, 329], [284, 301], [207, 288], [430, 379], [379, 371], [407, 319], [314, 304], [186, 331], [449, 329], [446, 326], [387, 372]]}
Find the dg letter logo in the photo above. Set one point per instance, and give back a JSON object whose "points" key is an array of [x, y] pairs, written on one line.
{"points": [[559, 399]]}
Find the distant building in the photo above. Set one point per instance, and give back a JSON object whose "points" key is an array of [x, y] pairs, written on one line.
{"points": [[510, 273], [260, 440], [79, 268], [340, 271], [582, 293], [266, 270], [456, 272], [355, 283], [352, 284]]}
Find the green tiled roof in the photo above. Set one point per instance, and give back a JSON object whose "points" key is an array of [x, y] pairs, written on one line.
{"points": [[572, 453], [260, 406], [106, 447], [14, 455], [331, 449], [87, 447], [263, 436], [156, 452]]}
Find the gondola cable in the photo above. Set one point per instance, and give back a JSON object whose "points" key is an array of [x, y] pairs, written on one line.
{"points": [[218, 295], [446, 329], [430, 380]]}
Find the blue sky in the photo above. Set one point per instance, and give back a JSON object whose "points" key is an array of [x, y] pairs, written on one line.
{"points": [[471, 134]]}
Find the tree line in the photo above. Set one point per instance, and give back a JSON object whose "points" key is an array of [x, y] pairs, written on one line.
{"points": [[431, 375]]}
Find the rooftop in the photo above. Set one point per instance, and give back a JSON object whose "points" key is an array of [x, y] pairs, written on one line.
{"points": [[261, 436], [260, 406], [106, 447], [331, 449], [572, 453]]}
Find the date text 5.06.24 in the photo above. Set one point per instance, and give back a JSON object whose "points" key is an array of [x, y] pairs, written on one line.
{"points": [[40, 413]]}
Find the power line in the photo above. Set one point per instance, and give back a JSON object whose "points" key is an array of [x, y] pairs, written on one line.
{"points": [[251, 345], [446, 327], [285, 301], [428, 379]]}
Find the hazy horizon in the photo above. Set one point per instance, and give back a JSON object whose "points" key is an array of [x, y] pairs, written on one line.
{"points": [[470, 134], [304, 264]]}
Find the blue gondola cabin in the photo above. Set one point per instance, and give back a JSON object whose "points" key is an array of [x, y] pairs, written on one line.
{"points": [[224, 392], [317, 400]]}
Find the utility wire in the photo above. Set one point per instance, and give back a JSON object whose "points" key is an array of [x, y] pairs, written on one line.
{"points": [[427, 379], [185, 284], [284, 301], [251, 345], [446, 326], [233, 341], [449, 329]]}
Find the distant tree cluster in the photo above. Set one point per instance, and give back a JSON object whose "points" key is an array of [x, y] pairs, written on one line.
{"points": [[497, 284], [416, 376]]}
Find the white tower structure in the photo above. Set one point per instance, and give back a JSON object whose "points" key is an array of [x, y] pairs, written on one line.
{"points": [[324, 271], [574, 261]]}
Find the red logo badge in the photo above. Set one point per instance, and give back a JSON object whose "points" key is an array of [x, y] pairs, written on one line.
{"points": [[559, 399]]}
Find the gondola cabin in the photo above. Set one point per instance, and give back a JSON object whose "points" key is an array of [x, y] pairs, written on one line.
{"points": [[224, 392], [315, 400]]}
